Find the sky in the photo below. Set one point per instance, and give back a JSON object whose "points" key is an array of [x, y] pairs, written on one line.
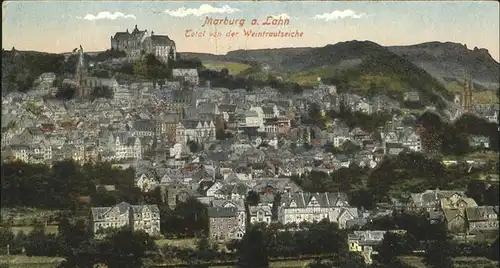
{"points": [[62, 26]]}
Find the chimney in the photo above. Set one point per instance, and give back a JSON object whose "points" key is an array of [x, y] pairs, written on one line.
{"points": [[136, 26], [127, 30], [152, 32]]}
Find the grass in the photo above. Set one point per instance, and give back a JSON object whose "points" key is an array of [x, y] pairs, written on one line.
{"points": [[180, 243], [481, 262], [49, 229], [482, 97], [30, 262], [233, 67]]}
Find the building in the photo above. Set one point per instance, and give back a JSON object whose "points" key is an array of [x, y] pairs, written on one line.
{"points": [[223, 224], [139, 42], [260, 213], [235, 203], [141, 217], [466, 100], [311, 207], [482, 218], [188, 75], [430, 200], [194, 130], [81, 75], [365, 241]]}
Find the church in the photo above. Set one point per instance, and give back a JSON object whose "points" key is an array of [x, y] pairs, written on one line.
{"points": [[136, 42]]}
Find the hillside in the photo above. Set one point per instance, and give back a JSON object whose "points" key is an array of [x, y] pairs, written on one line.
{"points": [[363, 66], [448, 61]]}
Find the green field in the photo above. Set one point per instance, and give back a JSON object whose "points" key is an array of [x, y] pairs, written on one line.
{"points": [[49, 229], [233, 67], [459, 262], [180, 243], [19, 261]]}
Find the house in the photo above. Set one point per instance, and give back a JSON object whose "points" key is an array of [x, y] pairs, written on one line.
{"points": [[299, 207], [195, 130], [482, 218], [365, 241], [412, 96], [146, 182], [453, 208], [127, 147], [430, 200], [223, 224], [138, 217], [188, 75], [455, 220], [393, 148], [482, 142], [456, 201], [239, 204], [260, 213]]}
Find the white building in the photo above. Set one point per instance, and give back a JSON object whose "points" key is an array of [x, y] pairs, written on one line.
{"points": [[311, 207], [194, 130], [188, 75], [260, 213], [127, 147], [143, 217]]}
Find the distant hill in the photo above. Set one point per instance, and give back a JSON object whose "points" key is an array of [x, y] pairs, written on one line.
{"points": [[448, 62], [435, 69]]}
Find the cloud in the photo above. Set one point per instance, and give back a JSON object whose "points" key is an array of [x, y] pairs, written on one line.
{"points": [[202, 10], [106, 15], [283, 16], [339, 14]]}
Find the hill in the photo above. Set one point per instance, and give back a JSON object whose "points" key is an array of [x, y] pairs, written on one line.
{"points": [[363, 66], [448, 62]]}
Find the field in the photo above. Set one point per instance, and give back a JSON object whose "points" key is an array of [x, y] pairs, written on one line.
{"points": [[233, 67], [180, 243], [459, 262], [278, 264], [21, 261], [49, 229]]}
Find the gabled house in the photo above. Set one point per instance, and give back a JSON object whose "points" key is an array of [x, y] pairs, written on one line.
{"points": [[138, 217], [223, 224], [310, 206], [235, 203], [482, 218], [262, 212]]}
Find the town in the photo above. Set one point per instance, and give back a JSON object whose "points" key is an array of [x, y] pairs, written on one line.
{"points": [[335, 177]]}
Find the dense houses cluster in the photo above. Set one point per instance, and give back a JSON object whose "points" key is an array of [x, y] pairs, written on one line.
{"points": [[215, 144], [460, 213], [160, 121]]}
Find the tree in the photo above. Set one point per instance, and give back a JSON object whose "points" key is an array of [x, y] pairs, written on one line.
{"points": [[124, 248], [194, 147], [66, 92], [438, 254], [351, 260], [253, 198], [6, 238], [395, 245], [253, 252], [494, 250], [102, 92]]}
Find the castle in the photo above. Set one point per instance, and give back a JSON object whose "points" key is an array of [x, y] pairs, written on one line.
{"points": [[141, 42]]}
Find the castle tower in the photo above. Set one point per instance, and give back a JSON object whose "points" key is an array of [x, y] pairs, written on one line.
{"points": [[467, 102], [81, 75]]}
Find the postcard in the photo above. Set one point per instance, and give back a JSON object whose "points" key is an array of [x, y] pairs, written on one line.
{"points": [[250, 133]]}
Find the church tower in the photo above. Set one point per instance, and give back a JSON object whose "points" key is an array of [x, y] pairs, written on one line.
{"points": [[81, 75], [467, 102]]}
